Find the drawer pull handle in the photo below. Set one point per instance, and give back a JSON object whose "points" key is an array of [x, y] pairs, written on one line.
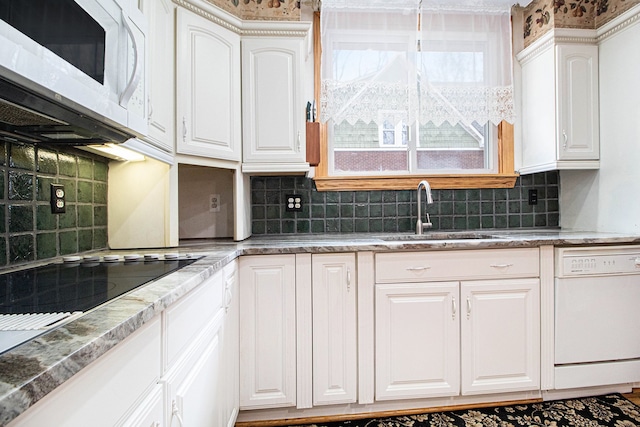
{"points": [[228, 297], [501, 265], [417, 268], [184, 129], [468, 307], [175, 413], [454, 309], [637, 262], [348, 279]]}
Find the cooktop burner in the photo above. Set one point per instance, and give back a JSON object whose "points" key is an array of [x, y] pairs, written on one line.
{"points": [[79, 286]]}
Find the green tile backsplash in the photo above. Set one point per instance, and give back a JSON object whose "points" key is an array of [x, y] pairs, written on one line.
{"points": [[395, 211], [28, 229]]}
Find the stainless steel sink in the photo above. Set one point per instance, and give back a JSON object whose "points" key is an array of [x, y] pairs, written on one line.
{"points": [[441, 235]]}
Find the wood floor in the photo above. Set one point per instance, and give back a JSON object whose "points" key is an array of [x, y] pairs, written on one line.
{"points": [[634, 396]]}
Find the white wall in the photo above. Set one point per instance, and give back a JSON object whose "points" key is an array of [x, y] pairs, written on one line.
{"points": [[607, 200], [139, 205], [196, 185]]}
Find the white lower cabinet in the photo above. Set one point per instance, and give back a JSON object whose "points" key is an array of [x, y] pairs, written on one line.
{"points": [[500, 328], [192, 389], [335, 351], [150, 413], [436, 338], [417, 340], [269, 325], [349, 329], [179, 369], [120, 388], [267, 331], [201, 376], [229, 386]]}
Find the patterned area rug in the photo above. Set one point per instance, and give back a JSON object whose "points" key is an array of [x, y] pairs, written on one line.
{"points": [[612, 410]]}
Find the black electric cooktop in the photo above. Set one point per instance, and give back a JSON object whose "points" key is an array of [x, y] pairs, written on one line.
{"points": [[77, 286]]}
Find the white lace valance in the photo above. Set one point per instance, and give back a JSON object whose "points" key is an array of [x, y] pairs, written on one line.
{"points": [[476, 6], [414, 64]]}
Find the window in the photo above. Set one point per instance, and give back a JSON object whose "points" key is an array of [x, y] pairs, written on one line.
{"points": [[409, 93]]}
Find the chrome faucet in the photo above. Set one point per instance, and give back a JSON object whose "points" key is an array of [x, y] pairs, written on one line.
{"points": [[420, 226]]}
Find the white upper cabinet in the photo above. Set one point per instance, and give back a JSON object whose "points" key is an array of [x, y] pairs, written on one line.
{"points": [[560, 110], [208, 88], [160, 73], [273, 97]]}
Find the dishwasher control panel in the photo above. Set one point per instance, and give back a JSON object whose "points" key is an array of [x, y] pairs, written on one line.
{"points": [[597, 260]]}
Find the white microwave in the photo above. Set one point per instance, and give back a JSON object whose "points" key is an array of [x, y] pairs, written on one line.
{"points": [[86, 55]]}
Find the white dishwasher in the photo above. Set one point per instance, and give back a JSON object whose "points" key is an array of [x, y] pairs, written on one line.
{"points": [[597, 316]]}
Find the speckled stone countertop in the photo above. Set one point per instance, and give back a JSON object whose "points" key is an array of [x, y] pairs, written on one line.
{"points": [[32, 370]]}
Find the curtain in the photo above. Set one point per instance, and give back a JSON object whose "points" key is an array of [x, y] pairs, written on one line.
{"points": [[413, 61]]}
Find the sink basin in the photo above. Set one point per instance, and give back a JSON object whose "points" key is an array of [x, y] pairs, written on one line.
{"points": [[440, 235]]}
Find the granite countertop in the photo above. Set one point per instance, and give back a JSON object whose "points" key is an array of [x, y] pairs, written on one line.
{"points": [[32, 370]]}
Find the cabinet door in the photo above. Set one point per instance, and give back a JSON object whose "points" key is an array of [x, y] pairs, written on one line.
{"points": [[192, 388], [417, 344], [150, 413], [578, 117], [208, 88], [500, 323], [335, 365], [267, 331], [230, 386], [273, 104], [160, 73]]}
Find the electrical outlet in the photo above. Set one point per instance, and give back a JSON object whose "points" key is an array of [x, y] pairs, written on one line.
{"points": [[58, 201], [214, 203], [294, 203], [533, 196]]}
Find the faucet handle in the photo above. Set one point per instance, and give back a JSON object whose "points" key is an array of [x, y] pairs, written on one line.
{"points": [[428, 223]]}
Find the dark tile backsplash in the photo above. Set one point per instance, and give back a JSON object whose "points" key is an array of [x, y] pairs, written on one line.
{"points": [[28, 229], [395, 211]]}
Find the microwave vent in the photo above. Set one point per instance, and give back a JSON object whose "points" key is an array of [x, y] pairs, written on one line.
{"points": [[20, 116]]}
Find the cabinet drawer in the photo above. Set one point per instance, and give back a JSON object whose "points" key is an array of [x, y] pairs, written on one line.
{"points": [[457, 265], [188, 317]]}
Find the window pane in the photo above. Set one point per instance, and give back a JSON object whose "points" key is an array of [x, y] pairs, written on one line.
{"points": [[452, 67], [458, 147], [357, 148]]}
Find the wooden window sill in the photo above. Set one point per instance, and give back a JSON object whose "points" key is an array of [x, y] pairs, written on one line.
{"points": [[408, 182]]}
